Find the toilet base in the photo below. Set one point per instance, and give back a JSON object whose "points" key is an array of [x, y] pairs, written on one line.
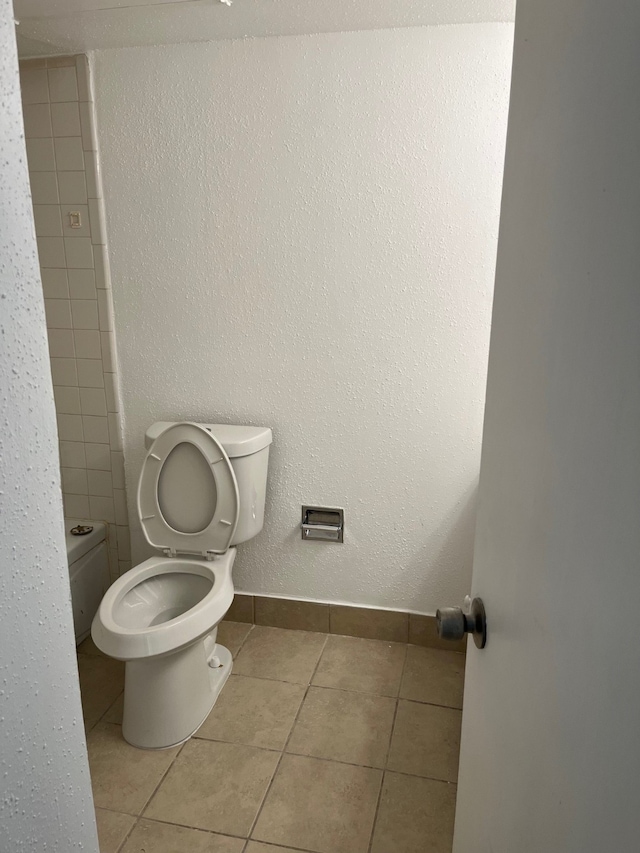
{"points": [[167, 699]]}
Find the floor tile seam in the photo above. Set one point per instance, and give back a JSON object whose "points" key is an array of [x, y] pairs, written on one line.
{"points": [[162, 778], [116, 811], [433, 704], [128, 835], [386, 759], [420, 776], [102, 717], [241, 646], [216, 832], [286, 743]]}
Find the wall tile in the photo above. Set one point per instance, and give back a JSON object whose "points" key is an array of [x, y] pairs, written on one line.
{"points": [[58, 313], [69, 155], [120, 506], [74, 481], [59, 61], [76, 506], [64, 371], [102, 509], [34, 86], [63, 84], [51, 252], [79, 252], [55, 283], [75, 230], [72, 454], [37, 121], [115, 431], [96, 429], [93, 402], [70, 428], [89, 141], [82, 284], [108, 352], [91, 165], [124, 541], [84, 313], [65, 119], [47, 219], [100, 484], [44, 188], [104, 311], [111, 391], [72, 187], [90, 373], [83, 78], [40, 155], [67, 400], [96, 214], [87, 343], [117, 469], [98, 456], [61, 343]]}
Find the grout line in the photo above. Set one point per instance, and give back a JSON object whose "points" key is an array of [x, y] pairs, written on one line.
{"points": [[286, 743]]}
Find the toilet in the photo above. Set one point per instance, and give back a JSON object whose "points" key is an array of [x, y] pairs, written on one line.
{"points": [[201, 492]]}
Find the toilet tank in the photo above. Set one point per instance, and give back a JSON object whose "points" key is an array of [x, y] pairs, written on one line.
{"points": [[248, 450]]}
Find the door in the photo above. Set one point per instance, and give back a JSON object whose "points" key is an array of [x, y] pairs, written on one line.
{"points": [[550, 756]]}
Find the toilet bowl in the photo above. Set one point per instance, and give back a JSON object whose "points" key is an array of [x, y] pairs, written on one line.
{"points": [[195, 501]]}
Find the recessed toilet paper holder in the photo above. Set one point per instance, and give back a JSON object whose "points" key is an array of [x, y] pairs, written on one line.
{"points": [[321, 522]]}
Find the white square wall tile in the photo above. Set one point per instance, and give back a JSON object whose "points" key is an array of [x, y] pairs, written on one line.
{"points": [[70, 428], [100, 484], [69, 154], [92, 172], [82, 284], [34, 86], [40, 155], [98, 457], [102, 509], [84, 313], [37, 121], [76, 506], [61, 343], [87, 343], [96, 430], [75, 220], [79, 252], [124, 541], [58, 312], [44, 187], [47, 220], [55, 283], [120, 506], [87, 124], [108, 352], [96, 214], [72, 188], [89, 373], [64, 371], [67, 400], [74, 481], [51, 252], [105, 312], [63, 84], [72, 454], [117, 469], [93, 402], [65, 119], [84, 81]]}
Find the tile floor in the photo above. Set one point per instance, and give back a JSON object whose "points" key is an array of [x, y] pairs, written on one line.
{"points": [[321, 744]]}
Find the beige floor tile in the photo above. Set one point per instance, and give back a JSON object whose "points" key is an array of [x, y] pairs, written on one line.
{"points": [[415, 816], [433, 676], [280, 654], [112, 829], [426, 741], [364, 666], [101, 680], [88, 647], [152, 837], [215, 786], [320, 806], [259, 847], [114, 714], [254, 711], [351, 727], [232, 635], [123, 777]]}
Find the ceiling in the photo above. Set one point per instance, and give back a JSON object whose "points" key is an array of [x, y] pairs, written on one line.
{"points": [[63, 26]]}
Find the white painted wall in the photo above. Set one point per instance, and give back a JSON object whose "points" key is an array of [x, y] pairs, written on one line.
{"points": [[303, 236], [550, 747], [45, 794]]}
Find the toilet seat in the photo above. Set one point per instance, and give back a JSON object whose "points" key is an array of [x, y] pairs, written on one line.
{"points": [[222, 489]]}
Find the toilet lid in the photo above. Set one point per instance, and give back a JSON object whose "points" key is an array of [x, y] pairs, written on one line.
{"points": [[188, 498]]}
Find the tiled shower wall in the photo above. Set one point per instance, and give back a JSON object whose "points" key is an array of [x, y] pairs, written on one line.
{"points": [[67, 203]]}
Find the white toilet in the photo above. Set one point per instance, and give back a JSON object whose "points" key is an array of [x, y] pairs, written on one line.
{"points": [[201, 491]]}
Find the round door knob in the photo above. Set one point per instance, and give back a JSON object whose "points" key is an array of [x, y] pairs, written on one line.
{"points": [[453, 623]]}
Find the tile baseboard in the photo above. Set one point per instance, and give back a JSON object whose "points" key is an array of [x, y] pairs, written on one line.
{"points": [[390, 625]]}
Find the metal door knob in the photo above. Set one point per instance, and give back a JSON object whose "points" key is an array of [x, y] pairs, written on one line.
{"points": [[453, 623]]}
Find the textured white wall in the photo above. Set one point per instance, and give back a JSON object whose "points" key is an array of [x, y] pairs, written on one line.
{"points": [[45, 794], [303, 236]]}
